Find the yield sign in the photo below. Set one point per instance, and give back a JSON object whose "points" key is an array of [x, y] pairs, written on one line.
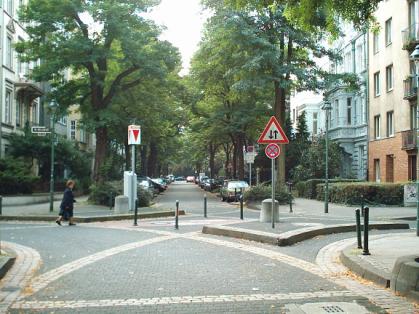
{"points": [[134, 135], [273, 133]]}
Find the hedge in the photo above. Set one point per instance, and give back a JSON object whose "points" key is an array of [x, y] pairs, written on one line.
{"points": [[373, 193], [307, 189], [16, 177], [100, 194], [260, 192]]}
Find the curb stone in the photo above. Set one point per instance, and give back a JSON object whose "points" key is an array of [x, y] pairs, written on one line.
{"points": [[96, 218], [353, 263], [6, 262], [295, 236]]}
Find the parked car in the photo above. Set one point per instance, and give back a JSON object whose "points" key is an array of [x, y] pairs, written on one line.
{"points": [[146, 184], [202, 182], [212, 184], [231, 190], [190, 179], [161, 182], [180, 179]]}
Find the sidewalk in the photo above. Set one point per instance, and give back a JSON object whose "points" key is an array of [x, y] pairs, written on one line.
{"points": [[309, 207], [379, 266], [83, 212]]}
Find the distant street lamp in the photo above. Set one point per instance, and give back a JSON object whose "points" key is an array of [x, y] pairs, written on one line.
{"points": [[53, 107], [415, 58], [327, 107]]}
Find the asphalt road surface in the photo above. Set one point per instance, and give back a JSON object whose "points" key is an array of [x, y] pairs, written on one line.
{"points": [[114, 267]]}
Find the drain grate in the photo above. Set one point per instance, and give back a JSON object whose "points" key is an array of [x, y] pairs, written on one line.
{"points": [[333, 309], [10, 289]]}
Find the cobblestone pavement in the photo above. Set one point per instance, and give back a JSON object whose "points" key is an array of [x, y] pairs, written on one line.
{"points": [[115, 267]]}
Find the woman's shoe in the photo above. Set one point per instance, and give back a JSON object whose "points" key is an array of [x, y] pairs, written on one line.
{"points": [[71, 224], [58, 222]]}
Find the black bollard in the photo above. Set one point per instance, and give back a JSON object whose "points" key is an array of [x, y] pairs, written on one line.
{"points": [[177, 216], [366, 230], [358, 227], [136, 213], [241, 205], [205, 205], [111, 201], [1, 205], [362, 205], [290, 194]]}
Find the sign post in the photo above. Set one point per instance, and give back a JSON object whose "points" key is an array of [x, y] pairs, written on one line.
{"points": [[273, 134], [249, 157], [134, 138]]}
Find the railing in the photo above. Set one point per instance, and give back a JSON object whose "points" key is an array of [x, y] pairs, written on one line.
{"points": [[409, 139], [410, 87], [410, 36], [348, 132]]}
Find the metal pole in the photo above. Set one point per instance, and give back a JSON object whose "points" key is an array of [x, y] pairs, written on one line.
{"points": [[358, 227], [326, 190], [241, 204], [273, 193], [136, 213], [177, 216], [362, 205], [250, 173], [1, 205], [366, 230], [51, 185], [205, 205], [290, 195], [257, 176], [417, 149], [134, 185]]}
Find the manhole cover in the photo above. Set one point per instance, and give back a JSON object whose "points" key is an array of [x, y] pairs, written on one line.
{"points": [[10, 289], [326, 307]]}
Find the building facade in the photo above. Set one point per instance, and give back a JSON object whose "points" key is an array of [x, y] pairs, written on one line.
{"points": [[349, 113], [392, 90], [20, 102]]}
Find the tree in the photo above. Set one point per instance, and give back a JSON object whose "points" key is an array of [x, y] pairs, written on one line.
{"points": [[109, 48], [302, 135]]}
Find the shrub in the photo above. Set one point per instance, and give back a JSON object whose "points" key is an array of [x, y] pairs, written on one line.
{"points": [[373, 193], [260, 192], [308, 189], [101, 194], [16, 177]]}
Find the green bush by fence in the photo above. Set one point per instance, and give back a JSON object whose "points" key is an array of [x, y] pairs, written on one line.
{"points": [[260, 192], [308, 189], [100, 194], [373, 193]]}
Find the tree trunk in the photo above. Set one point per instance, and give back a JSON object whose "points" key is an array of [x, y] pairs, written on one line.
{"points": [[212, 150], [100, 155], [279, 108], [234, 174], [143, 163], [227, 152], [152, 160], [240, 142], [127, 156]]}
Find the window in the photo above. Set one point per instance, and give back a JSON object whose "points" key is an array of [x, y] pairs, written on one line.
{"points": [[34, 118], [293, 115], [390, 123], [73, 129], [377, 127], [348, 62], [360, 63], [9, 6], [388, 32], [377, 170], [314, 123], [376, 42], [389, 77], [412, 167], [19, 112], [349, 111], [62, 120], [363, 110], [377, 84], [413, 117], [336, 112], [9, 52], [82, 135], [8, 107], [413, 7]]}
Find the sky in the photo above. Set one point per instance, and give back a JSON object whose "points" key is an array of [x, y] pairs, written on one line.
{"points": [[184, 22]]}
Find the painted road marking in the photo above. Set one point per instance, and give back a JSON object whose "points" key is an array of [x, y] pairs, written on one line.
{"points": [[43, 305]]}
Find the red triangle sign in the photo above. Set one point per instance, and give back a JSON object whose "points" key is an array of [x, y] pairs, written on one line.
{"points": [[273, 133], [135, 133]]}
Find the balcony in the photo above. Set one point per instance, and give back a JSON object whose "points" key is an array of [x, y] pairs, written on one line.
{"points": [[409, 139], [410, 36], [410, 88]]}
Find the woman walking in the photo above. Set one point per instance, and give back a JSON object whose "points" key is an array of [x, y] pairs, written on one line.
{"points": [[67, 205]]}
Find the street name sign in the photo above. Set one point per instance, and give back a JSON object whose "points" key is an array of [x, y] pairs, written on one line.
{"points": [[272, 151], [40, 130], [134, 135], [273, 133]]}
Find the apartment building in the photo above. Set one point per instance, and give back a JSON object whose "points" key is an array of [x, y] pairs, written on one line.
{"points": [[392, 90], [20, 102]]}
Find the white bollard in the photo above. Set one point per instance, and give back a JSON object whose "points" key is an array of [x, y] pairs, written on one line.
{"points": [[266, 211]]}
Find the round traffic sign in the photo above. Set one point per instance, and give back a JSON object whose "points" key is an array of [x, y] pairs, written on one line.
{"points": [[272, 151]]}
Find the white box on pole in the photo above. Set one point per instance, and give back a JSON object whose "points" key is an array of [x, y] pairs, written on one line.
{"points": [[129, 189]]}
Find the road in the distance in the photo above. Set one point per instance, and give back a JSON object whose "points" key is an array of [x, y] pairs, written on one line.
{"points": [[114, 267]]}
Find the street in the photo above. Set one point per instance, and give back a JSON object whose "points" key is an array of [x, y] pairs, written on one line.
{"points": [[115, 267]]}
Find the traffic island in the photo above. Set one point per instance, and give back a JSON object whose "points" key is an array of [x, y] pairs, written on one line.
{"points": [[405, 277], [6, 262], [294, 236]]}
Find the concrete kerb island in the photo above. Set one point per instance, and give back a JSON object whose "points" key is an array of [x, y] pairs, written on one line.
{"points": [[292, 237]]}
